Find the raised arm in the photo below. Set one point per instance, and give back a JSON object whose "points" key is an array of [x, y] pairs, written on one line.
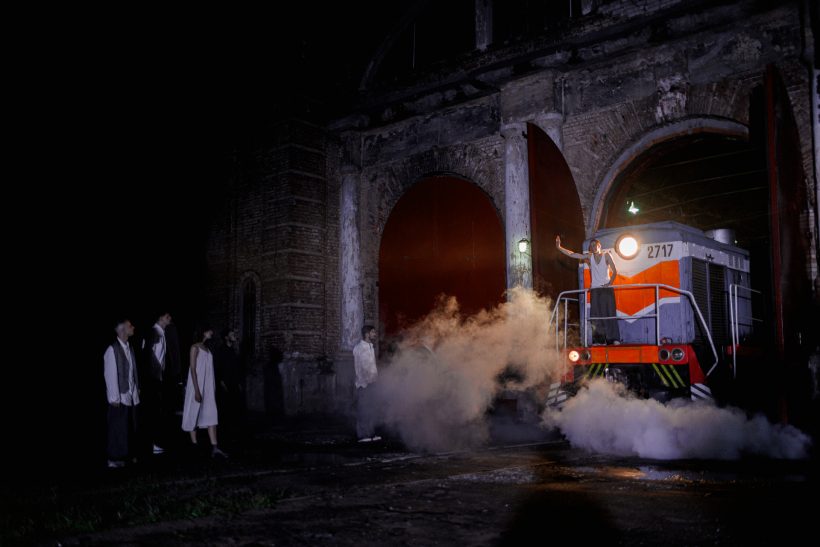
{"points": [[567, 252]]}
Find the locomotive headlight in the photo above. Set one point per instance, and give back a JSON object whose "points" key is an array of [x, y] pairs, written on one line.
{"points": [[677, 354], [573, 356], [627, 246], [585, 355], [663, 354]]}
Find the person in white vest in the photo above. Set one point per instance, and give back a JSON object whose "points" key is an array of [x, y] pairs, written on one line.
{"points": [[122, 392], [364, 363], [602, 297]]}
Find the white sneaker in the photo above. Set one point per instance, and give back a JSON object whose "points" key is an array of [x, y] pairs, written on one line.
{"points": [[158, 449], [115, 464], [365, 439], [375, 438]]}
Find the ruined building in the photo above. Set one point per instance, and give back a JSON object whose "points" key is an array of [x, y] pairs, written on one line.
{"points": [[529, 120]]}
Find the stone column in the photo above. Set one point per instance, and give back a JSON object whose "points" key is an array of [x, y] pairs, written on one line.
{"points": [[483, 24], [350, 262], [517, 205], [815, 114], [552, 123]]}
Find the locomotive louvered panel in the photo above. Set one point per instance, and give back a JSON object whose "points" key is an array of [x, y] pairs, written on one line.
{"points": [[718, 313], [700, 286]]}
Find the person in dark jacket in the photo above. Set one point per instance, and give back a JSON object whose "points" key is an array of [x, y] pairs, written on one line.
{"points": [[230, 378], [161, 380]]}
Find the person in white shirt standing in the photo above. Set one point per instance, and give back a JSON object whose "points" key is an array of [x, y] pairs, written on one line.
{"points": [[602, 297], [122, 391], [157, 379], [364, 363]]}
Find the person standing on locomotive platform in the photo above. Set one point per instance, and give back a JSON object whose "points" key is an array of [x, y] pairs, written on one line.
{"points": [[602, 297]]}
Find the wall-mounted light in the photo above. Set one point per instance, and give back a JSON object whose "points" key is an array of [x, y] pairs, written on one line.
{"points": [[524, 246], [632, 209]]}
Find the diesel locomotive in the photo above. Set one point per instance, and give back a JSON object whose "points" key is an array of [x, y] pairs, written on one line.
{"points": [[684, 309]]}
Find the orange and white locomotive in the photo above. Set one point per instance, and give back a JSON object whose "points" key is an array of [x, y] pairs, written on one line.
{"points": [[683, 305]]}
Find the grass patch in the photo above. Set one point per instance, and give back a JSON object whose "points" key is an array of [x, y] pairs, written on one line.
{"points": [[32, 518]]}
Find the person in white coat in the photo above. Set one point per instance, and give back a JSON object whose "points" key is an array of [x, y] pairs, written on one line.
{"points": [[122, 392], [199, 410], [364, 363]]}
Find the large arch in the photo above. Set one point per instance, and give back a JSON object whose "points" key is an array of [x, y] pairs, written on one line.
{"points": [[713, 174], [443, 236], [682, 128]]}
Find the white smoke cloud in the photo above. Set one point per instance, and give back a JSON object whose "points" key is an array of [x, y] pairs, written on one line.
{"points": [[435, 391], [603, 419]]}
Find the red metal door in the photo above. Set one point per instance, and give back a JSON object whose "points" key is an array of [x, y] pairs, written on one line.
{"points": [[443, 237], [791, 291], [554, 209]]}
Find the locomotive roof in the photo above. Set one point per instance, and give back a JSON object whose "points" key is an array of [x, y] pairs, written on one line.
{"points": [[664, 230]]}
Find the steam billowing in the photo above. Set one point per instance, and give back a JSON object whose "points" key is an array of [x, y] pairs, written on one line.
{"points": [[436, 389], [602, 418], [434, 392]]}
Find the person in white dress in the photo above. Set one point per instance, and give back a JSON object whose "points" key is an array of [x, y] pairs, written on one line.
{"points": [[200, 410]]}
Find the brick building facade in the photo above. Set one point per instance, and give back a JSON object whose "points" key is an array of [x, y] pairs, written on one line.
{"points": [[294, 256]]}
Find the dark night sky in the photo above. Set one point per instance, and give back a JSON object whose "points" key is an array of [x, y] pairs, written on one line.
{"points": [[175, 99]]}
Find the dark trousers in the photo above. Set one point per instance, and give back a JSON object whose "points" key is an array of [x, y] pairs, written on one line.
{"points": [[122, 428], [159, 403], [231, 405], [364, 414], [603, 305]]}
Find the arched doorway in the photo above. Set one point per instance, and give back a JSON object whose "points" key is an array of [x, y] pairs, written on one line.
{"points": [[708, 181], [443, 237], [754, 187], [705, 180]]}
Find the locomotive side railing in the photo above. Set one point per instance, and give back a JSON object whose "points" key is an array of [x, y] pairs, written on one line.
{"points": [[734, 318], [565, 295]]}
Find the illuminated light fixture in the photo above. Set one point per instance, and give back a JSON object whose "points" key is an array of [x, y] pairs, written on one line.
{"points": [[663, 354], [627, 246], [585, 355], [632, 209], [524, 245], [573, 356], [677, 354]]}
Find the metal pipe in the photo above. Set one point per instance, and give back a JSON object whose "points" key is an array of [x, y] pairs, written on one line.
{"points": [[733, 326], [657, 317], [663, 286]]}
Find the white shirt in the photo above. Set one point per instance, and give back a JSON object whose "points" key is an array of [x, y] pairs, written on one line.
{"points": [[364, 362], [112, 386], [159, 347]]}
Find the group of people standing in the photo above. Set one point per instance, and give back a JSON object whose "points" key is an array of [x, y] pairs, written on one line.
{"points": [[143, 383]]}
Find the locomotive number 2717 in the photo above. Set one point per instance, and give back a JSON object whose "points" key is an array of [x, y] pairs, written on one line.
{"points": [[660, 251]]}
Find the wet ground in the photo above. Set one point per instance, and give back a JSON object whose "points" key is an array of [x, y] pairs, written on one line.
{"points": [[313, 485]]}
